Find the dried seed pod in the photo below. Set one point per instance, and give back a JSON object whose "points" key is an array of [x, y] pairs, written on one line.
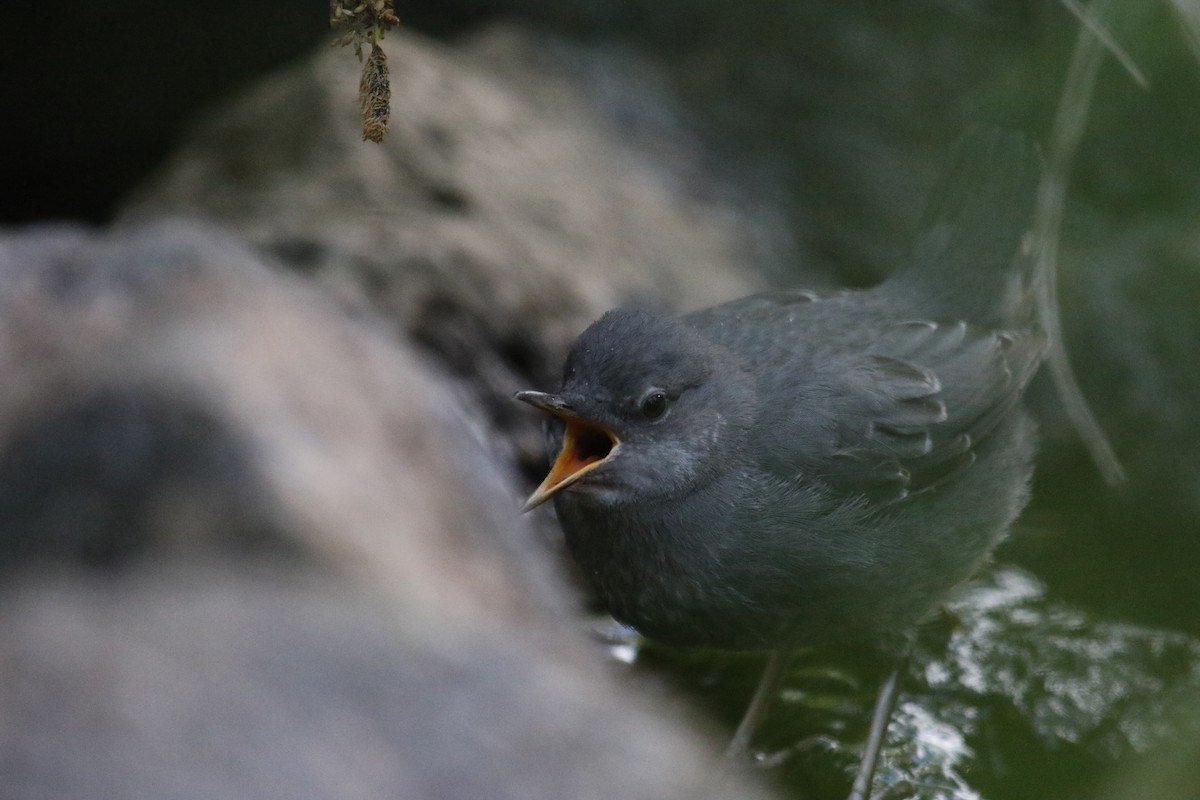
{"points": [[367, 23], [375, 96]]}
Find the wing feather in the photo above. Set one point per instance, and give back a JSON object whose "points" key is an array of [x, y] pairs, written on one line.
{"points": [[919, 403]]}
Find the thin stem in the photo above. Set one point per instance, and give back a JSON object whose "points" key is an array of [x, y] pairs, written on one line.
{"points": [[768, 685], [1069, 122], [885, 702]]}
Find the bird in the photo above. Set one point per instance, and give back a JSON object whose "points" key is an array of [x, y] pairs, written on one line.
{"points": [[796, 467]]}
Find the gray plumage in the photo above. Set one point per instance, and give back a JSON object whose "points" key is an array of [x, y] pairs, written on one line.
{"points": [[828, 466]]}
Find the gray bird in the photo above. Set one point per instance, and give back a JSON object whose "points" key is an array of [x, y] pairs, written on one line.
{"points": [[794, 467]]}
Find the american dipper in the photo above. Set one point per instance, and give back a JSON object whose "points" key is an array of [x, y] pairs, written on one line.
{"points": [[795, 468]]}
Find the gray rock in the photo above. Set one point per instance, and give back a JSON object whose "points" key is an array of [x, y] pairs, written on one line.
{"points": [[510, 205], [253, 548]]}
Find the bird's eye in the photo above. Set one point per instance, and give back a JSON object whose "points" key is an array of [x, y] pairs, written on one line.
{"points": [[654, 404]]}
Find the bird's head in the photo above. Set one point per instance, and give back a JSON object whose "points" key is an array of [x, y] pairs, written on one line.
{"points": [[648, 409]]}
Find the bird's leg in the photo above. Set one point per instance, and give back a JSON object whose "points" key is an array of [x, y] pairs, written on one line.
{"points": [[768, 685], [885, 702]]}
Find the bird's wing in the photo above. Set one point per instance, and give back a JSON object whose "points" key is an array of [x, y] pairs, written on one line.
{"points": [[904, 413], [853, 395]]}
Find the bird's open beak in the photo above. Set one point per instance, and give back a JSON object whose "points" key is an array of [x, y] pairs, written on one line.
{"points": [[586, 446]]}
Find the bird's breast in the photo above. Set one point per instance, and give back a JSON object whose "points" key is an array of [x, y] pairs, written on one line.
{"points": [[685, 575]]}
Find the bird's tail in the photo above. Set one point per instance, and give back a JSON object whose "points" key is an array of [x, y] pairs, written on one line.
{"points": [[976, 259], [972, 257]]}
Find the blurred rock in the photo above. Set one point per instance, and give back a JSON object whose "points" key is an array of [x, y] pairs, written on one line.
{"points": [[254, 548], [510, 205]]}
